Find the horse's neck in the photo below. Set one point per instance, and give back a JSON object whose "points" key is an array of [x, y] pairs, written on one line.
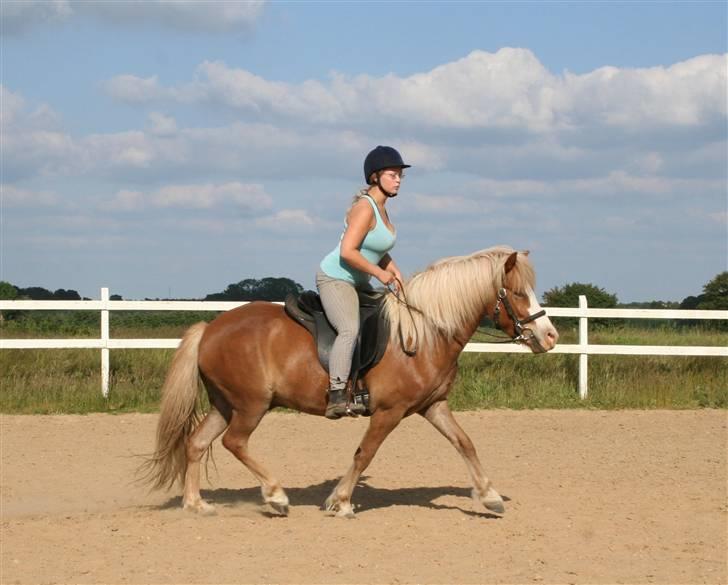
{"points": [[452, 346]]}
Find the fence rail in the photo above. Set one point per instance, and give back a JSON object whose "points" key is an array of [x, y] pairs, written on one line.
{"points": [[583, 348]]}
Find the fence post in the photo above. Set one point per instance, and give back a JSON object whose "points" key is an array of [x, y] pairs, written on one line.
{"points": [[105, 343], [583, 356]]}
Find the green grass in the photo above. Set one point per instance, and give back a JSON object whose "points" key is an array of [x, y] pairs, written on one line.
{"points": [[52, 381], [550, 381], [69, 380]]}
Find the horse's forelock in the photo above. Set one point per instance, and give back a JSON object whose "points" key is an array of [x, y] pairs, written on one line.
{"points": [[522, 276]]}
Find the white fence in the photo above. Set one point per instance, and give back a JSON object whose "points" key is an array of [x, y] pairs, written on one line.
{"points": [[583, 348]]}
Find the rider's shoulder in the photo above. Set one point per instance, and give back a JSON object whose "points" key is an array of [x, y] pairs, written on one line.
{"points": [[362, 207]]}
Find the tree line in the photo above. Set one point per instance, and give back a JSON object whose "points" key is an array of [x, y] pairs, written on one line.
{"points": [[250, 289]]}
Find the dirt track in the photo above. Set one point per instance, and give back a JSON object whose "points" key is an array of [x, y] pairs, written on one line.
{"points": [[592, 497]]}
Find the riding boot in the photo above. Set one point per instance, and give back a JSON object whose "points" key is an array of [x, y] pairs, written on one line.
{"points": [[338, 397]]}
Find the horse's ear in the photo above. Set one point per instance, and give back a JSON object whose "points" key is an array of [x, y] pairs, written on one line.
{"points": [[511, 262]]}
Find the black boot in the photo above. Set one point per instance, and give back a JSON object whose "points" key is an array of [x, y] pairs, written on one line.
{"points": [[336, 407]]}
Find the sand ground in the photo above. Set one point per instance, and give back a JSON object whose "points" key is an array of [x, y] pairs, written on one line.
{"points": [[592, 497]]}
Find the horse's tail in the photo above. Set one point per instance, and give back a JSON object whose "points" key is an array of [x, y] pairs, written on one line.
{"points": [[179, 414]]}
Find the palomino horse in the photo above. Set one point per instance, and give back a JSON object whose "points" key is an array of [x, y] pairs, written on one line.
{"points": [[254, 358]]}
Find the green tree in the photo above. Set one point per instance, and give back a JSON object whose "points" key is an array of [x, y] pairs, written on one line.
{"points": [[691, 302], [66, 295], [568, 296], [251, 289], [8, 292], [715, 293], [35, 293]]}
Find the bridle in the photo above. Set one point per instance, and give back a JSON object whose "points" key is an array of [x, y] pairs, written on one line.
{"points": [[522, 334]]}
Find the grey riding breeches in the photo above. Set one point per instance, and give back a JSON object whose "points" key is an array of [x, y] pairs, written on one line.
{"points": [[341, 305]]}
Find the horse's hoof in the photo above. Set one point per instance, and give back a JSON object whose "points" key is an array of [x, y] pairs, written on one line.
{"points": [[334, 507], [492, 501], [202, 508], [346, 512], [277, 499], [495, 506], [280, 509]]}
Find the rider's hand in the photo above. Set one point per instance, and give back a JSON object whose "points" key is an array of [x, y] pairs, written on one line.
{"points": [[389, 280]]}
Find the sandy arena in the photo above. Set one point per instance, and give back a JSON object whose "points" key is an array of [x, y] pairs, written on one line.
{"points": [[591, 497]]}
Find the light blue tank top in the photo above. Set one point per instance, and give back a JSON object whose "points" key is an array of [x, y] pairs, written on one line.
{"points": [[375, 245]]}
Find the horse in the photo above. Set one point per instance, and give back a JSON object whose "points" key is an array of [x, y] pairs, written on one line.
{"points": [[254, 358]]}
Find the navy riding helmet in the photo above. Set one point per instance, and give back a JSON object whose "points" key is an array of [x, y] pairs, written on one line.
{"points": [[382, 157]]}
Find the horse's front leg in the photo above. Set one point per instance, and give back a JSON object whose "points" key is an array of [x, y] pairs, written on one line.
{"points": [[380, 425], [441, 417]]}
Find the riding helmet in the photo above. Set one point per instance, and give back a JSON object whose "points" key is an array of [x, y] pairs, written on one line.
{"points": [[382, 157]]}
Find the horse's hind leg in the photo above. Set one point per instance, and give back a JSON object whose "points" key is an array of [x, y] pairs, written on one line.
{"points": [[441, 417], [236, 439], [198, 443]]}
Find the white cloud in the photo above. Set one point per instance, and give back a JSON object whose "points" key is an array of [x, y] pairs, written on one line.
{"points": [[19, 16], [288, 220], [209, 16], [133, 89], [132, 150], [13, 105], [688, 93], [251, 197], [73, 242], [616, 182], [620, 223], [13, 196], [512, 188], [161, 125], [38, 152], [187, 15], [206, 196], [650, 162], [447, 204], [506, 89], [719, 217], [126, 200]]}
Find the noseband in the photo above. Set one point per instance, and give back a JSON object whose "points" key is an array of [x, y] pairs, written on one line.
{"points": [[522, 334]]}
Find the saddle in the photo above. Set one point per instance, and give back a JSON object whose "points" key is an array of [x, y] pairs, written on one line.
{"points": [[307, 310]]}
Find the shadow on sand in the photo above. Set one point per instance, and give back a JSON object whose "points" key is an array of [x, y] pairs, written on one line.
{"points": [[366, 497]]}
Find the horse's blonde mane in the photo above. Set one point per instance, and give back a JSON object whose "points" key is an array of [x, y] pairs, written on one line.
{"points": [[452, 294]]}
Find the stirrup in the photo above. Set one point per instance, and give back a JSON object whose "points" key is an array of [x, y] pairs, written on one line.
{"points": [[340, 405]]}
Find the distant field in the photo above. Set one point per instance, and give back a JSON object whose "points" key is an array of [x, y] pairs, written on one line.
{"points": [[68, 380]]}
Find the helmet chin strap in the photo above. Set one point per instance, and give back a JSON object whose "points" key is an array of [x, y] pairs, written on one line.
{"points": [[387, 194]]}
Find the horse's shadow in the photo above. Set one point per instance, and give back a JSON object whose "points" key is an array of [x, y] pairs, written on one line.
{"points": [[367, 497]]}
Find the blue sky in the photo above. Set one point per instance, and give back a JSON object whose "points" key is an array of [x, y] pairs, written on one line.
{"points": [[166, 147]]}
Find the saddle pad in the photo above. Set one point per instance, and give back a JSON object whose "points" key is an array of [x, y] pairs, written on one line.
{"points": [[307, 311]]}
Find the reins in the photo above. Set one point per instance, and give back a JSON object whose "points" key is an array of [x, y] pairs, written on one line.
{"points": [[410, 308]]}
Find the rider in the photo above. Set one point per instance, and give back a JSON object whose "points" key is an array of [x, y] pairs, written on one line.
{"points": [[362, 252]]}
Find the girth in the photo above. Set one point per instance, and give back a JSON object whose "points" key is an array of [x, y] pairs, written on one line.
{"points": [[371, 342]]}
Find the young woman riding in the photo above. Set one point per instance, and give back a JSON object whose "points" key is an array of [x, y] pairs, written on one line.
{"points": [[362, 252]]}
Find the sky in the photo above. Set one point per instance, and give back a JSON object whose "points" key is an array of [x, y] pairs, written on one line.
{"points": [[168, 149]]}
